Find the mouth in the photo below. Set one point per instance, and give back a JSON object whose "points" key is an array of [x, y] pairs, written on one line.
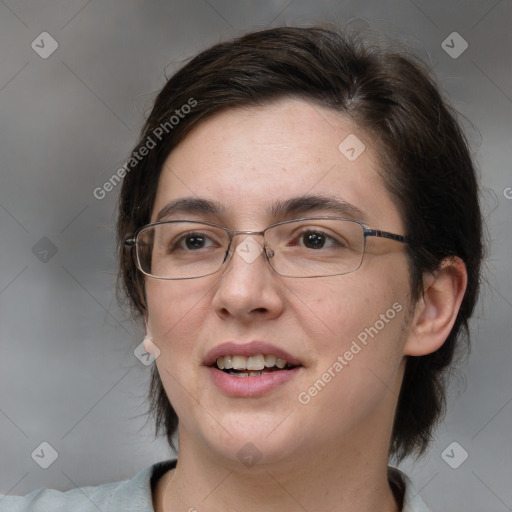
{"points": [[250, 370], [252, 366]]}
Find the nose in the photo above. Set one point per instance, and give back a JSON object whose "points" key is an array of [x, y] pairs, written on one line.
{"points": [[248, 287]]}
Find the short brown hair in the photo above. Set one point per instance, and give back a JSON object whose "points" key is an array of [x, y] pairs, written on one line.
{"points": [[424, 157]]}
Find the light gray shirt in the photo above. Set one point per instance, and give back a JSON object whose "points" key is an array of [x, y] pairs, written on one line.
{"points": [[136, 495]]}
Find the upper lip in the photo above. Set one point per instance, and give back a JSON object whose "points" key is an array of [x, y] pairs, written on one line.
{"points": [[248, 349]]}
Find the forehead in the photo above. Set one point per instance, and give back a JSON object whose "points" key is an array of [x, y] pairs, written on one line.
{"points": [[248, 160]]}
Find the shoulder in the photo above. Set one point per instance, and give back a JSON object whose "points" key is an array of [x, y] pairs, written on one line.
{"points": [[134, 495], [402, 484]]}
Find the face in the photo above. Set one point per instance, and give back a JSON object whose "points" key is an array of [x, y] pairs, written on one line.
{"points": [[345, 333]]}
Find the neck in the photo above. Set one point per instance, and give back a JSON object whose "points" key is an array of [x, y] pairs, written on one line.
{"points": [[307, 481]]}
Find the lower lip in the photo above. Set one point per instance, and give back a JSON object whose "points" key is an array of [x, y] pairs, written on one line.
{"points": [[247, 387]]}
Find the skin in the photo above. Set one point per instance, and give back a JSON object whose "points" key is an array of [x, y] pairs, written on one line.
{"points": [[332, 453]]}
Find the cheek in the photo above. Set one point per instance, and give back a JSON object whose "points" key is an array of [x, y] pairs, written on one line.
{"points": [[356, 327], [362, 313], [176, 309]]}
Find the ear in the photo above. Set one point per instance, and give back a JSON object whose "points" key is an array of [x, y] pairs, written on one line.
{"points": [[146, 324], [149, 344], [437, 309]]}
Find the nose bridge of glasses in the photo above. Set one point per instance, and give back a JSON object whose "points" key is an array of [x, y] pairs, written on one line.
{"points": [[248, 249], [234, 232]]}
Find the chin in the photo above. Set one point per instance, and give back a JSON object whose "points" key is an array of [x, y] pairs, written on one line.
{"points": [[252, 439]]}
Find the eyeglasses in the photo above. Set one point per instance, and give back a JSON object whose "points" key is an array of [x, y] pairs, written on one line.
{"points": [[306, 247]]}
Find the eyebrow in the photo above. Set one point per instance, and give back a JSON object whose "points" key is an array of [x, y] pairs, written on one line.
{"points": [[281, 209], [309, 203], [190, 205]]}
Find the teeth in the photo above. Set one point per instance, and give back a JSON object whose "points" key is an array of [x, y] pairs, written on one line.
{"points": [[270, 361], [254, 363], [239, 363], [247, 374], [225, 363]]}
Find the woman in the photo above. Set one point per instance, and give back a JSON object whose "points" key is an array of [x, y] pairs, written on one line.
{"points": [[299, 230]]}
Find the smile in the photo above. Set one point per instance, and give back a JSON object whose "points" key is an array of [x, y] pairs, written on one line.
{"points": [[250, 370], [252, 366]]}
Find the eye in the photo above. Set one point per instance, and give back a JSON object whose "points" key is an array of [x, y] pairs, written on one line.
{"points": [[317, 240], [191, 241]]}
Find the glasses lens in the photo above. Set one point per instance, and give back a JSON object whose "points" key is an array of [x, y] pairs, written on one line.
{"points": [[181, 250], [316, 247]]}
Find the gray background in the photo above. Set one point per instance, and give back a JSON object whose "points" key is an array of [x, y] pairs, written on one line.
{"points": [[68, 375]]}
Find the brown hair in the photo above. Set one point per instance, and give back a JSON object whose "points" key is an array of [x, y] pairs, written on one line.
{"points": [[425, 162]]}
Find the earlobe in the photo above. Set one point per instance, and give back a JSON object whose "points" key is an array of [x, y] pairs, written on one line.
{"points": [[437, 309], [149, 345]]}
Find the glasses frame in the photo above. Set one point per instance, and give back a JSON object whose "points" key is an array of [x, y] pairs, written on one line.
{"points": [[131, 242]]}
